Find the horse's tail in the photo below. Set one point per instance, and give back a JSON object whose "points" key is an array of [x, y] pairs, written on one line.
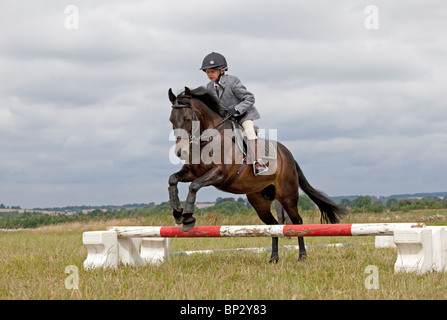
{"points": [[330, 211]]}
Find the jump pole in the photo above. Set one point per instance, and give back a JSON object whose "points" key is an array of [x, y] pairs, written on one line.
{"points": [[305, 230]]}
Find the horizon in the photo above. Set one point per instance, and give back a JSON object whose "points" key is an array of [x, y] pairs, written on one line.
{"points": [[230, 195]]}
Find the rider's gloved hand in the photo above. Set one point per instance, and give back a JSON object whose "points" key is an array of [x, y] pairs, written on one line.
{"points": [[233, 112]]}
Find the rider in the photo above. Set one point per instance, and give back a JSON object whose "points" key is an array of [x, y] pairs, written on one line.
{"points": [[237, 100]]}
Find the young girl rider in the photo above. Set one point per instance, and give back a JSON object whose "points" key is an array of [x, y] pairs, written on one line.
{"points": [[237, 100]]}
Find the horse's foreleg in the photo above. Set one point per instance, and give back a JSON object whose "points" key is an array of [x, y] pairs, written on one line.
{"points": [[174, 200], [211, 177]]}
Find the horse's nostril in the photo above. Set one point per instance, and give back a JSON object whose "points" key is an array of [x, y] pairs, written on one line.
{"points": [[182, 154]]}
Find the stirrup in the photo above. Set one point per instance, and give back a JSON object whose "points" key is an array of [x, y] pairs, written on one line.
{"points": [[260, 170]]}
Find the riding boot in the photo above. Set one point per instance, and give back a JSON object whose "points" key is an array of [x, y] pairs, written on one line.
{"points": [[254, 156]]}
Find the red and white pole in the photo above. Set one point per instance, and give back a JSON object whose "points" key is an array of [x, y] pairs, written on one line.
{"points": [[304, 230]]}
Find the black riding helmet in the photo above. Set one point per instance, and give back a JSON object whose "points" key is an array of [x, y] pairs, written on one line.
{"points": [[214, 60]]}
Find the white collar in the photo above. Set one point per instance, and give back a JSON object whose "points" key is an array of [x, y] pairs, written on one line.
{"points": [[218, 84]]}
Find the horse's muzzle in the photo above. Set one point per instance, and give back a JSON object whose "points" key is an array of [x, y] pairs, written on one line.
{"points": [[182, 149], [183, 154]]}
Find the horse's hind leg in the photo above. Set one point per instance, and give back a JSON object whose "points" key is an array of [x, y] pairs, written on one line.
{"points": [[290, 205], [262, 206], [283, 217]]}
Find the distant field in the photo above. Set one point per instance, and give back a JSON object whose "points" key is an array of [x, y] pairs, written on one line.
{"points": [[33, 266]]}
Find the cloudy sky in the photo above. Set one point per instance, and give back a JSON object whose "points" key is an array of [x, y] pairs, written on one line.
{"points": [[358, 95]]}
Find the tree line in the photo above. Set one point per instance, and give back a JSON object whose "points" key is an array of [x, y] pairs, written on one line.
{"points": [[227, 206], [369, 204], [37, 218]]}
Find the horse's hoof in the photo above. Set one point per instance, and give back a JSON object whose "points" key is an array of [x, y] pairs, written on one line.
{"points": [[178, 221], [188, 222], [178, 216], [302, 258], [187, 227], [274, 259]]}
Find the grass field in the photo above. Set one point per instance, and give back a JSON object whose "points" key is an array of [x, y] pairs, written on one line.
{"points": [[33, 266]]}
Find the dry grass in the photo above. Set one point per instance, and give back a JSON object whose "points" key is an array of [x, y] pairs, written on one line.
{"points": [[33, 265]]}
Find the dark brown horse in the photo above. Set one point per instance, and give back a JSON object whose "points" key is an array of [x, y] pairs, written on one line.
{"points": [[199, 114]]}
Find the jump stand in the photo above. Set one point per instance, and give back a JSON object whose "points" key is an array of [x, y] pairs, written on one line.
{"points": [[106, 249], [421, 250]]}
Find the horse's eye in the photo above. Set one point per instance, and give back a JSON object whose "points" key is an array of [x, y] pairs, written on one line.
{"points": [[188, 125]]}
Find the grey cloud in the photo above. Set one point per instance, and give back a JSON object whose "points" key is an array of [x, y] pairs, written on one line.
{"points": [[84, 113]]}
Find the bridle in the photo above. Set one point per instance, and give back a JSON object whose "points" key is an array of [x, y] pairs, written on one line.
{"points": [[194, 137]]}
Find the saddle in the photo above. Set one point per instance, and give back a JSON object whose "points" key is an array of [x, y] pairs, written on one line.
{"points": [[268, 148]]}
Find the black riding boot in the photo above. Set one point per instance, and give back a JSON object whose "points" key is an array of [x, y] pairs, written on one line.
{"points": [[254, 156]]}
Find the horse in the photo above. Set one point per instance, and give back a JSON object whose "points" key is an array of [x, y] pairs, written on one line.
{"points": [[195, 113]]}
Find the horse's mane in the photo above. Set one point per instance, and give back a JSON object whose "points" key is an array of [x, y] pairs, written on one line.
{"points": [[204, 95]]}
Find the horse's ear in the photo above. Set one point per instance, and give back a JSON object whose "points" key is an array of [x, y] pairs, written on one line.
{"points": [[188, 92], [172, 96]]}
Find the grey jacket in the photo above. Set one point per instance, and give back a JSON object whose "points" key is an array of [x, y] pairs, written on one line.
{"points": [[233, 94]]}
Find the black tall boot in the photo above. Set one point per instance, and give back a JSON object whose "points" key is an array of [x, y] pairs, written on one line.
{"points": [[254, 156]]}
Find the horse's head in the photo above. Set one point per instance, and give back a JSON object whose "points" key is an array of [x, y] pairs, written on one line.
{"points": [[192, 112], [184, 122], [182, 114]]}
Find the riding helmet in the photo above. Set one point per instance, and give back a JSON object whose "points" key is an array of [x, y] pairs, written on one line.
{"points": [[214, 60]]}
